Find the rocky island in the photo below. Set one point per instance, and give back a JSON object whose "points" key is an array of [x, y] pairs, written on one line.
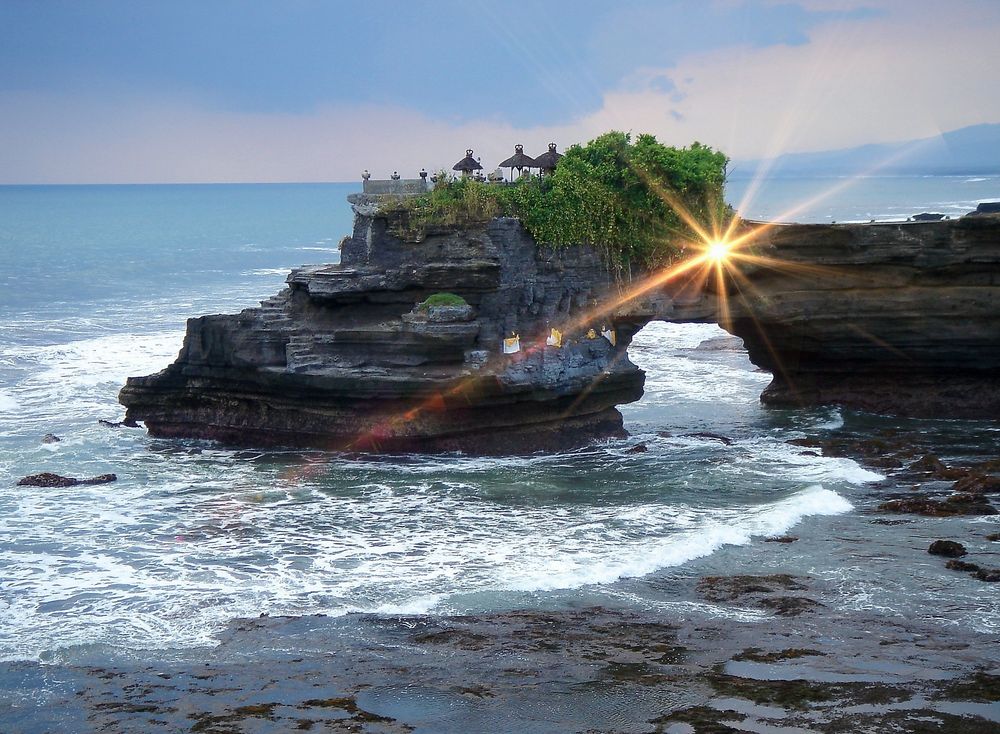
{"points": [[896, 317]]}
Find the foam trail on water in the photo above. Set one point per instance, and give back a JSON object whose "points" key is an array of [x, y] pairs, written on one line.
{"points": [[80, 379], [735, 527], [176, 572]]}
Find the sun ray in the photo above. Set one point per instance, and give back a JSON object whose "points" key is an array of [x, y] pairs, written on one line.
{"points": [[787, 266], [713, 258], [674, 202], [592, 384], [775, 357], [865, 334]]}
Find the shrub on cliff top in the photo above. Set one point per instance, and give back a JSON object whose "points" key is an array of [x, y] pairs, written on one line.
{"points": [[442, 299], [612, 193]]}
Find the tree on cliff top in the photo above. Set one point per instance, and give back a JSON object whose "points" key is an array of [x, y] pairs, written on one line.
{"points": [[616, 195], [612, 193]]}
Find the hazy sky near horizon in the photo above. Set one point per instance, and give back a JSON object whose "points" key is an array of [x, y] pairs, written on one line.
{"points": [[313, 90]]}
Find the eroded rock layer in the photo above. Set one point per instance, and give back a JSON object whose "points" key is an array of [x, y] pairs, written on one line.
{"points": [[344, 359], [888, 318], [891, 318]]}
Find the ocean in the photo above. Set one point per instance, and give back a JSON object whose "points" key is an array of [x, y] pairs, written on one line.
{"points": [[96, 283]]}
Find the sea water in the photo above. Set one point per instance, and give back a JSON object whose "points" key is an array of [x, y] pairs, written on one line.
{"points": [[95, 285]]}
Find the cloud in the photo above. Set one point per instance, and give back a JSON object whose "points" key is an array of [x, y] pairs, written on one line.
{"points": [[853, 83], [897, 76]]}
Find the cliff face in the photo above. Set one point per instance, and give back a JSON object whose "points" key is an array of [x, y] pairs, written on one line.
{"points": [[888, 318], [897, 318], [342, 359]]}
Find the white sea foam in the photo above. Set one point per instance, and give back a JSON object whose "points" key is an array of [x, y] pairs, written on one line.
{"points": [[584, 565], [8, 403], [81, 378], [834, 421], [158, 566], [268, 271]]}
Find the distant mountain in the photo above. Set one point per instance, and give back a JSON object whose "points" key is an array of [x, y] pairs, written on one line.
{"points": [[971, 150]]}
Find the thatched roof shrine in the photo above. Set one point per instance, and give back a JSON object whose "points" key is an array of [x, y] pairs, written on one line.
{"points": [[519, 160], [548, 160], [467, 164]]}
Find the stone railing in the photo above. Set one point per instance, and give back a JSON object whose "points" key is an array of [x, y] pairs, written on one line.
{"points": [[396, 186]]}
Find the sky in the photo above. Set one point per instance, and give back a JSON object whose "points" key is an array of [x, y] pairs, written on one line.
{"points": [[132, 91]]}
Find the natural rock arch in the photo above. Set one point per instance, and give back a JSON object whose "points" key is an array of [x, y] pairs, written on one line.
{"points": [[897, 318]]}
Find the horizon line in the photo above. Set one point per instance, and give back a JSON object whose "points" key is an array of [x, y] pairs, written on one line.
{"points": [[830, 173]]}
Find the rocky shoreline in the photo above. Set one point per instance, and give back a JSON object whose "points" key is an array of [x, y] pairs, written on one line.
{"points": [[797, 666], [754, 641], [758, 638]]}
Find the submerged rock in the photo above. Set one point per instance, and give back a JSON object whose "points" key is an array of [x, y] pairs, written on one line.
{"points": [[711, 436], [978, 484], [127, 423], [947, 548], [48, 479], [721, 344], [51, 438], [730, 588], [959, 504], [961, 566], [989, 575]]}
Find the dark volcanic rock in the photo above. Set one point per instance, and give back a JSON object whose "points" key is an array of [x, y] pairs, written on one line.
{"points": [[127, 423], [711, 436], [48, 479], [888, 318], [769, 592], [978, 484], [962, 566], [959, 504], [341, 359], [947, 548]]}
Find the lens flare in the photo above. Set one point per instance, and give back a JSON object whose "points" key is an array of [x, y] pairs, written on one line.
{"points": [[718, 250], [714, 259]]}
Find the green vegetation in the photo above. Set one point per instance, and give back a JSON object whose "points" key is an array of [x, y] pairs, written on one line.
{"points": [[442, 299], [612, 193]]}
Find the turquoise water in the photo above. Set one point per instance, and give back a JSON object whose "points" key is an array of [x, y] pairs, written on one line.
{"points": [[95, 285]]}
